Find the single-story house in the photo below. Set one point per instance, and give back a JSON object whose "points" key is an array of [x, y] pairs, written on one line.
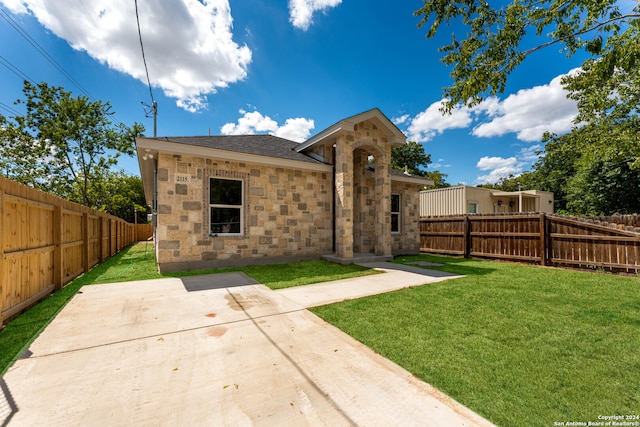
{"points": [[463, 199], [255, 199]]}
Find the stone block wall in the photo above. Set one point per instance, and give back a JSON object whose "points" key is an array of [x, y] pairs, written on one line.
{"points": [[287, 213], [408, 240]]}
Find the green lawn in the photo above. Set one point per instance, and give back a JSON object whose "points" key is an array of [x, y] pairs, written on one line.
{"points": [[137, 262], [521, 345]]}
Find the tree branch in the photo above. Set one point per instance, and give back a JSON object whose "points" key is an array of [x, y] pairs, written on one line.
{"points": [[587, 30]]}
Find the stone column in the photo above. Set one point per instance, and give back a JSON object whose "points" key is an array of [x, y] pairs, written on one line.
{"points": [[383, 198], [344, 199]]}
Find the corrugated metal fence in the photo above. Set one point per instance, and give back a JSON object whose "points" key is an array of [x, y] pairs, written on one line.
{"points": [[45, 242], [608, 243]]}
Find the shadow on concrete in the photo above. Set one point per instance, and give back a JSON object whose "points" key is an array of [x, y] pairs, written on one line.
{"points": [[408, 268], [216, 281], [8, 407]]}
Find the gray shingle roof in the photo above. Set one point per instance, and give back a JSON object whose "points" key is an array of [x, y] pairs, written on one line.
{"points": [[261, 145]]}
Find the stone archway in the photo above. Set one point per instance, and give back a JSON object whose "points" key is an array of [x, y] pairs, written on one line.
{"points": [[363, 192]]}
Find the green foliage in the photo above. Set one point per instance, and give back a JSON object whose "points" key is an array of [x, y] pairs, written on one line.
{"points": [[63, 145], [118, 194], [439, 179], [595, 169], [412, 156], [494, 36]]}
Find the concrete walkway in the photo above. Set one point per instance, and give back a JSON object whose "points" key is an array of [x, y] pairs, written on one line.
{"points": [[217, 350]]}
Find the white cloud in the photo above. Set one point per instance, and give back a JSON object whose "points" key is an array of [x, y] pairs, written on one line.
{"points": [[500, 167], [15, 6], [400, 120], [432, 121], [528, 113], [529, 154], [294, 129], [298, 129], [301, 11], [188, 44]]}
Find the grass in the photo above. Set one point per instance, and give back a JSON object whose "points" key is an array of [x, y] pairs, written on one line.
{"points": [[137, 262], [521, 345]]}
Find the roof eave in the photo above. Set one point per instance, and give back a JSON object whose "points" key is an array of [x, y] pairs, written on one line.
{"points": [[412, 180]]}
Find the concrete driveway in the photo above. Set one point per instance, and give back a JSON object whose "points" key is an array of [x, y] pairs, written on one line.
{"points": [[217, 350]]}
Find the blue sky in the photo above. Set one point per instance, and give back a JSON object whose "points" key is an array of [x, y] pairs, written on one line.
{"points": [[287, 67]]}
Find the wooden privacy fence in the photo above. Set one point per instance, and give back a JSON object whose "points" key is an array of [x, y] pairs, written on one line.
{"points": [[45, 242], [536, 238]]}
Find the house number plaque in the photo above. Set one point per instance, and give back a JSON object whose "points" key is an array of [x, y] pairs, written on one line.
{"points": [[183, 178]]}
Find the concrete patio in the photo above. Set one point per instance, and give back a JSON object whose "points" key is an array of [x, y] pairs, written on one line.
{"points": [[218, 350]]}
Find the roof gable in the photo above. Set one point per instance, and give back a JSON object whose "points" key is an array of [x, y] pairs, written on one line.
{"points": [[396, 136]]}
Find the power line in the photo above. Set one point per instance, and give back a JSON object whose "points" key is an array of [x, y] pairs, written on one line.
{"points": [[154, 104], [42, 51], [96, 24], [9, 108], [15, 70], [144, 59]]}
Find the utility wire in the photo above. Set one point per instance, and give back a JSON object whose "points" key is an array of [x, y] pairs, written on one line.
{"points": [[42, 51], [15, 70], [9, 109], [144, 59], [91, 17], [154, 105]]}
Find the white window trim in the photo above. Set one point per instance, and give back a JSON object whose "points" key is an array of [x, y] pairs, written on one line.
{"points": [[472, 203], [399, 213], [216, 205]]}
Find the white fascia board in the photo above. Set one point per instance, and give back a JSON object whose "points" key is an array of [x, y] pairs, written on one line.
{"points": [[513, 194], [322, 135], [412, 180], [176, 148]]}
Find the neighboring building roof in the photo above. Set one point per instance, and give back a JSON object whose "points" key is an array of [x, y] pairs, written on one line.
{"points": [[261, 145]]}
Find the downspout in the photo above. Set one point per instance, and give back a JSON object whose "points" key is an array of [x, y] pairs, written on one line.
{"points": [[154, 206], [333, 203]]}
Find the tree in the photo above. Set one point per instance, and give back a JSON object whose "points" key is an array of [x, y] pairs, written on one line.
{"points": [[62, 144], [494, 43], [412, 156], [439, 179], [121, 195], [594, 168]]}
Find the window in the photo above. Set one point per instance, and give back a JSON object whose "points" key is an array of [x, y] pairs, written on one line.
{"points": [[473, 207], [225, 202], [395, 213]]}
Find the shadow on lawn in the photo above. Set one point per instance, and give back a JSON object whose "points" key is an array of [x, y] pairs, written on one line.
{"points": [[463, 266]]}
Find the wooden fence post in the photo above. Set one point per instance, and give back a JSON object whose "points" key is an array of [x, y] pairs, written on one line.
{"points": [[467, 236], [85, 241], [543, 239], [58, 266]]}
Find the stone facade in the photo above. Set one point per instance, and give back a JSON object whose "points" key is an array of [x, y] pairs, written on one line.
{"points": [[329, 196], [353, 150], [407, 241], [287, 213]]}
